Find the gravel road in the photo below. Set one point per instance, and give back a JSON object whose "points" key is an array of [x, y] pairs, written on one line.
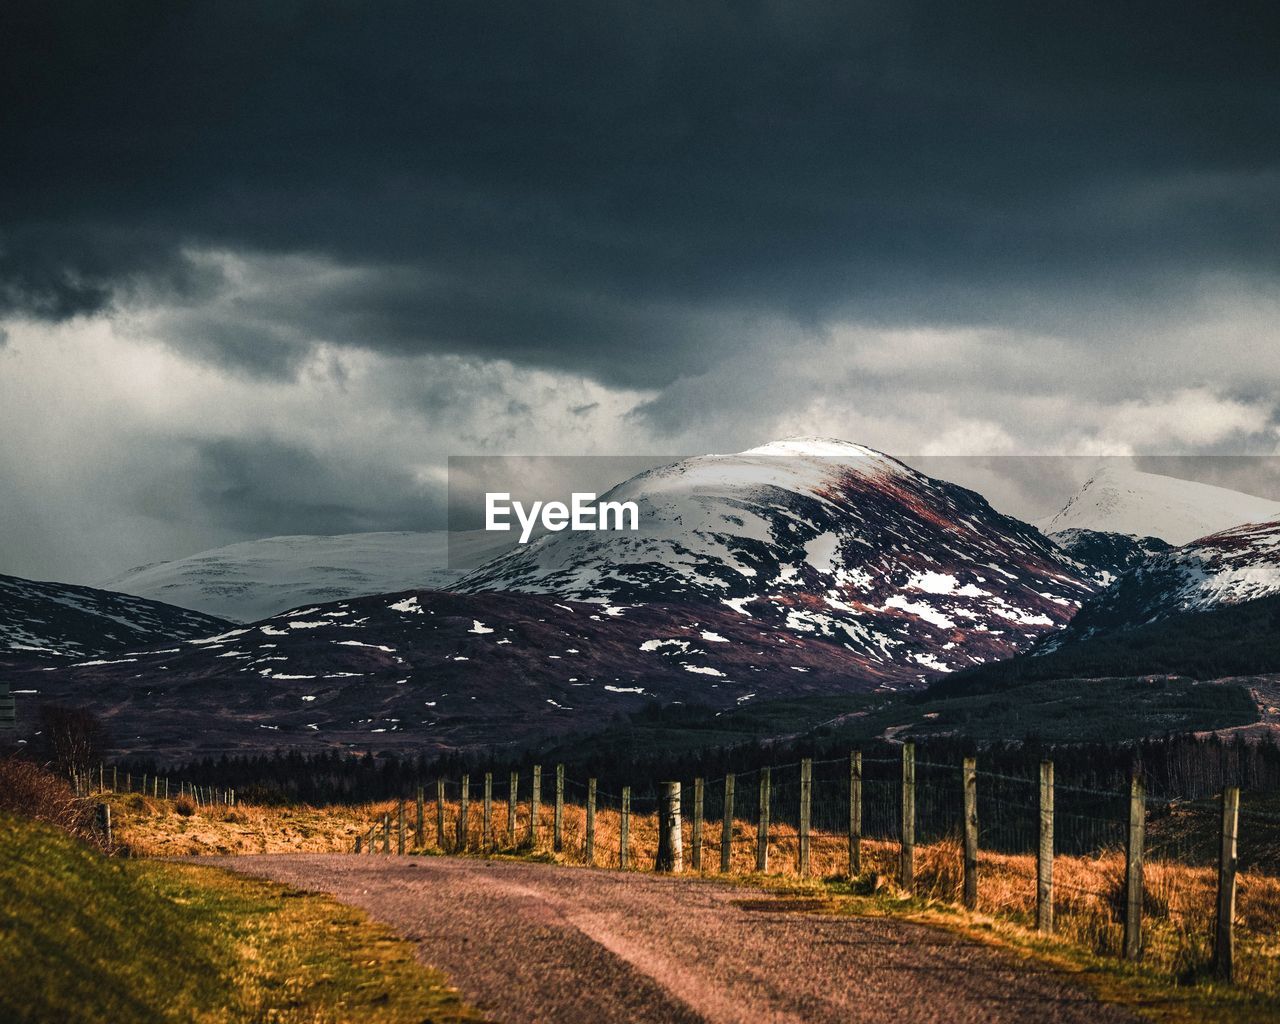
{"points": [[532, 942]]}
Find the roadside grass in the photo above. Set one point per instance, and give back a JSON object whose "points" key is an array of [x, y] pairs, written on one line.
{"points": [[177, 828], [85, 938]]}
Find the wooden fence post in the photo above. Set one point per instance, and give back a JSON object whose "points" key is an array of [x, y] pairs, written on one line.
{"points": [[486, 830], [908, 866], [128, 782], [970, 773], [762, 827], [386, 832], [464, 802], [440, 814], [102, 775], [624, 830], [358, 843], [557, 825], [1044, 858], [421, 840], [806, 807], [670, 842], [1133, 869], [1228, 863], [726, 827], [535, 807], [115, 778], [400, 829], [855, 813], [104, 824], [513, 795], [698, 801], [591, 821]]}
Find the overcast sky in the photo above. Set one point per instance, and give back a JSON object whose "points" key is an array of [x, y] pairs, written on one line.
{"points": [[264, 265]]}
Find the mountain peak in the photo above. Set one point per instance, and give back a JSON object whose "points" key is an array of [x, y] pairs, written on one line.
{"points": [[813, 446], [1119, 498]]}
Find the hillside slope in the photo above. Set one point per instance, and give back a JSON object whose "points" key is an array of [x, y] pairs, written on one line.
{"points": [[64, 621], [1239, 640], [1225, 569]]}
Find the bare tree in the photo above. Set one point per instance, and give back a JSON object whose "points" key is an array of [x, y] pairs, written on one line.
{"points": [[71, 739]]}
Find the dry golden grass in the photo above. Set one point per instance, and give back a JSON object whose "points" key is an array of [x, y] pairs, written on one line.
{"points": [[177, 828]]}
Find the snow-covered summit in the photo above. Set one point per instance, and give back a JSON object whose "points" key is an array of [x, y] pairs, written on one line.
{"points": [[816, 447], [1121, 499], [818, 537]]}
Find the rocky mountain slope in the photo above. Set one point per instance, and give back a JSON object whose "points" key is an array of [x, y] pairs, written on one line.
{"points": [[58, 620], [820, 539], [801, 569], [1108, 554], [1224, 569]]}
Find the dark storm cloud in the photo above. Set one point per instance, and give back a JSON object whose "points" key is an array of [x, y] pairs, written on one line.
{"points": [[615, 188], [259, 486]]}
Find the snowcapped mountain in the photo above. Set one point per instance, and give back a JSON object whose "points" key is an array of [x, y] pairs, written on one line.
{"points": [[802, 568], [1228, 568], [820, 539], [1121, 499], [46, 620], [249, 581]]}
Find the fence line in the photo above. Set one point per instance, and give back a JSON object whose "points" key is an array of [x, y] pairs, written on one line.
{"points": [[1032, 847]]}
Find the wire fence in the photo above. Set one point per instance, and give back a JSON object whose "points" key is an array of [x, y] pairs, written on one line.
{"points": [[110, 779], [1189, 886]]}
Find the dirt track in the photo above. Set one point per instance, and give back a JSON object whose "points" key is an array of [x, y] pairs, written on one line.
{"points": [[530, 942]]}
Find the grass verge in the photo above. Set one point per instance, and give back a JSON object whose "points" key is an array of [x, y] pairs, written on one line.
{"points": [[84, 938]]}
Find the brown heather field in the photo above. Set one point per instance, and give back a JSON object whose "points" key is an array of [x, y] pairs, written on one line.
{"points": [[1089, 890]]}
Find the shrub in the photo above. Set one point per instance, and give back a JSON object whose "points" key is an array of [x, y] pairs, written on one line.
{"points": [[33, 792]]}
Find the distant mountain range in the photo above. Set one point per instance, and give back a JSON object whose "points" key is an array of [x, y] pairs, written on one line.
{"points": [[803, 569]]}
